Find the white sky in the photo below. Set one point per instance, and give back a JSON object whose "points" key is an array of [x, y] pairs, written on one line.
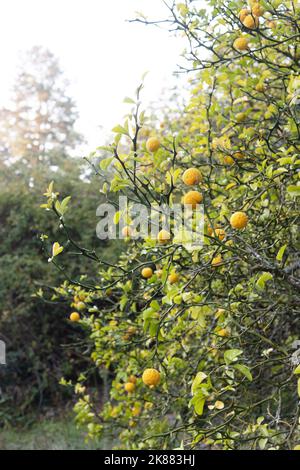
{"points": [[103, 55]]}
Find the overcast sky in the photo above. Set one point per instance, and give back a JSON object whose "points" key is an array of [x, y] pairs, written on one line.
{"points": [[102, 54]]}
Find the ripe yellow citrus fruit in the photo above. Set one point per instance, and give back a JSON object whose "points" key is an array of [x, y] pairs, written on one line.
{"points": [[216, 261], [241, 44], [224, 332], [191, 176], [240, 117], [129, 387], [257, 10], [251, 22], [75, 316], [173, 278], [126, 231], [243, 13], [238, 155], [132, 379], [136, 411], [239, 220], [163, 236], [228, 160], [151, 377], [271, 24], [260, 87], [192, 198], [131, 330], [152, 144], [80, 305], [147, 273]]}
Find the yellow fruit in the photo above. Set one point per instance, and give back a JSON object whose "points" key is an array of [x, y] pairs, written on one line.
{"points": [[220, 233], [224, 332], [243, 13], [129, 387], [238, 155], [163, 236], [75, 316], [148, 405], [239, 220], [271, 24], [131, 330], [260, 87], [228, 160], [257, 10], [240, 117], [241, 44], [113, 323], [151, 377], [191, 176], [216, 261], [173, 278], [147, 273], [80, 305], [126, 231], [132, 379], [192, 198], [152, 144], [251, 22], [136, 411]]}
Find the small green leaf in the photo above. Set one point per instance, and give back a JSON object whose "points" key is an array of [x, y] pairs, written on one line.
{"points": [[197, 381], [297, 370], [56, 249], [244, 370], [128, 100], [231, 355], [281, 253], [293, 190], [120, 130], [104, 164], [266, 276]]}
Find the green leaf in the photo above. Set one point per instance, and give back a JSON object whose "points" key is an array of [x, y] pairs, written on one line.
{"points": [[293, 190], [197, 381], [56, 249], [120, 130], [281, 253], [231, 355], [297, 370], [104, 164], [199, 405], [266, 276], [262, 443], [128, 100], [244, 370]]}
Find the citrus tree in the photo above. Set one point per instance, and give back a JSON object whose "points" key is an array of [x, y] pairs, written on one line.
{"points": [[202, 342]]}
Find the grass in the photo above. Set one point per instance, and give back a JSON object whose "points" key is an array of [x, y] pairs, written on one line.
{"points": [[47, 434]]}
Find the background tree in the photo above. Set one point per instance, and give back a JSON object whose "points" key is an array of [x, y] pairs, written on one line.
{"points": [[37, 139], [39, 125]]}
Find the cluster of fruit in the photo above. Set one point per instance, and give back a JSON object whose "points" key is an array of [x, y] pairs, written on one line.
{"points": [[250, 20]]}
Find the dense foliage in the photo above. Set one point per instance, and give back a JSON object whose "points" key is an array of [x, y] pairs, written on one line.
{"points": [[221, 334]]}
